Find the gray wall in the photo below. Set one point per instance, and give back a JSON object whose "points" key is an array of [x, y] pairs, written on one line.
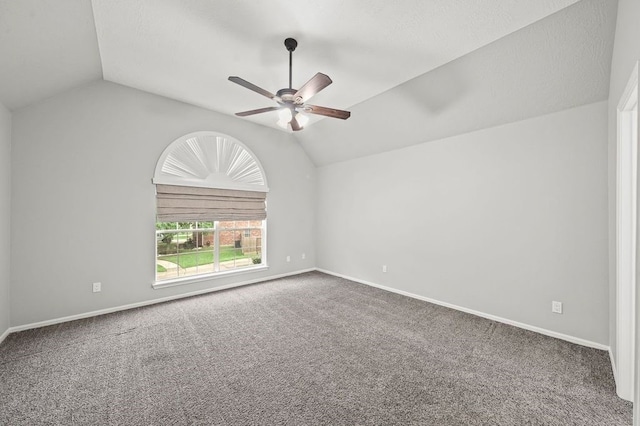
{"points": [[626, 52], [5, 215], [84, 206], [502, 220]]}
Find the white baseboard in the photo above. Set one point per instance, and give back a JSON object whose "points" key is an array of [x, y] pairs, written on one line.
{"points": [[550, 333], [546, 332], [4, 335], [145, 303], [615, 377], [613, 365]]}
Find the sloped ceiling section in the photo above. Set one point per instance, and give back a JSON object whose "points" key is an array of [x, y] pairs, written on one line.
{"points": [[46, 47], [186, 49], [409, 70], [556, 63]]}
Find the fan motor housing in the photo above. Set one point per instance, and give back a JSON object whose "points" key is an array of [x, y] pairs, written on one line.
{"points": [[286, 95]]}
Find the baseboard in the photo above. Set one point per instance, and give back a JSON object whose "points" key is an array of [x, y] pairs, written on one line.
{"points": [[146, 303], [613, 365], [4, 335], [524, 326], [614, 369]]}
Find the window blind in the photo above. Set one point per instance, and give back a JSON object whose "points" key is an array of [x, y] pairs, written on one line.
{"points": [[189, 203]]}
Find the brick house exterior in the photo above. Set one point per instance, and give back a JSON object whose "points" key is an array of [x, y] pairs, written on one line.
{"points": [[240, 234]]}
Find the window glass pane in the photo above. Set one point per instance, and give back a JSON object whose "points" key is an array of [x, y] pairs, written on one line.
{"points": [[251, 241], [167, 250], [242, 224], [230, 249], [165, 225], [196, 257], [189, 248], [227, 224], [206, 251]]}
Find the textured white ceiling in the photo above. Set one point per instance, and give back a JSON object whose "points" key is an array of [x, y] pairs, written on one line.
{"points": [[557, 63], [46, 47], [409, 70], [186, 49]]}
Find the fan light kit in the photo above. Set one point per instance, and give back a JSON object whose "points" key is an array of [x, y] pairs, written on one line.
{"points": [[292, 102]]}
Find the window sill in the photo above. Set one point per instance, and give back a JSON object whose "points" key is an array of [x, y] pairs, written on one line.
{"points": [[208, 277]]}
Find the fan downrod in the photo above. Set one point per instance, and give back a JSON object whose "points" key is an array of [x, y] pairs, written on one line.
{"points": [[290, 44]]}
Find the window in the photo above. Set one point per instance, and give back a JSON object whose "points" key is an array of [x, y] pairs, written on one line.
{"points": [[210, 209], [185, 249]]}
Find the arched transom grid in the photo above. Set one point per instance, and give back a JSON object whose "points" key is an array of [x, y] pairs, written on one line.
{"points": [[212, 160]]}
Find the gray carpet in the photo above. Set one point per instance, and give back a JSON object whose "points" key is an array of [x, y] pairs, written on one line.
{"points": [[304, 350]]}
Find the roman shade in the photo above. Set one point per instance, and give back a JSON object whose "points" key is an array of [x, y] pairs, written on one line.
{"points": [[190, 203]]}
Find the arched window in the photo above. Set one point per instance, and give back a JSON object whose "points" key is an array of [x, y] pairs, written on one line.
{"points": [[211, 209]]}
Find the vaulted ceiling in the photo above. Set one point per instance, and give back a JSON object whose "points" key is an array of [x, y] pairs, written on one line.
{"points": [[409, 70]]}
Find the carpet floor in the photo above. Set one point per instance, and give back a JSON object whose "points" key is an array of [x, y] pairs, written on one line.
{"points": [[304, 350]]}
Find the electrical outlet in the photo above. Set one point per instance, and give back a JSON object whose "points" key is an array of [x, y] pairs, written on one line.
{"points": [[288, 258], [556, 307], [97, 287], [384, 268], [304, 256]]}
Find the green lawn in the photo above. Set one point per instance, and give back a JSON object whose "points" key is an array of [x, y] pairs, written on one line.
{"points": [[189, 259], [160, 268]]}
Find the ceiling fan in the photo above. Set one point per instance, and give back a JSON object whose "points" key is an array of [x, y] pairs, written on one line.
{"points": [[292, 102]]}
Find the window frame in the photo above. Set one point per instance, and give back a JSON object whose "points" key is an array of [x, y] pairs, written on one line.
{"points": [[170, 282], [191, 161]]}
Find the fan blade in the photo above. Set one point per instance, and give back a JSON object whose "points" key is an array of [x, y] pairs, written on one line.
{"points": [[295, 126], [311, 87], [328, 112], [257, 111], [251, 86]]}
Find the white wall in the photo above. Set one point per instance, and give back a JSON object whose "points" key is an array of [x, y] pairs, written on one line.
{"points": [[84, 205], [5, 216], [626, 52], [502, 220]]}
